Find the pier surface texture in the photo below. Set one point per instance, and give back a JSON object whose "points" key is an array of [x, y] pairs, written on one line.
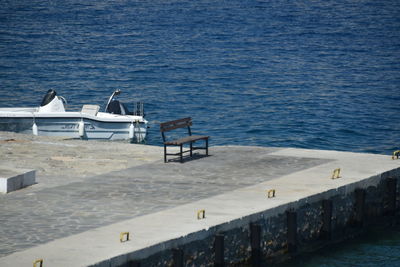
{"points": [[88, 193]]}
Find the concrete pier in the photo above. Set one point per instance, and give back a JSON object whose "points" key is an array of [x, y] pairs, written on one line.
{"points": [[269, 202]]}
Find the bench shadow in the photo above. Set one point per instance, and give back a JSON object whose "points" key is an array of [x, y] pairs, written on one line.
{"points": [[188, 158]]}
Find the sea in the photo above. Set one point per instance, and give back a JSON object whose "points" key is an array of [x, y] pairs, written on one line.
{"points": [[318, 74]]}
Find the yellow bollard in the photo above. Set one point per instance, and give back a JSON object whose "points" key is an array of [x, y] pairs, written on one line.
{"points": [[40, 261], [122, 235], [271, 193], [336, 173], [201, 214]]}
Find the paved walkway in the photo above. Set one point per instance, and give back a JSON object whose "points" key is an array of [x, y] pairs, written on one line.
{"points": [[77, 203], [58, 161]]}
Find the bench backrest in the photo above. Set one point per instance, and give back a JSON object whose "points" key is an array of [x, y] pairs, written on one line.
{"points": [[176, 124]]}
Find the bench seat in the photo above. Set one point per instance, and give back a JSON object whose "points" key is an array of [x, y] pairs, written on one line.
{"points": [[188, 139]]}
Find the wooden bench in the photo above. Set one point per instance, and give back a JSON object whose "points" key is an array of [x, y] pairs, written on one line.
{"points": [[190, 139]]}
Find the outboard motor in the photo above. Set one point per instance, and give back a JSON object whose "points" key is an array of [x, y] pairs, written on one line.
{"points": [[115, 107], [52, 103]]}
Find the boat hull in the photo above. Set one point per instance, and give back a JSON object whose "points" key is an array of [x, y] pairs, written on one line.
{"points": [[69, 127]]}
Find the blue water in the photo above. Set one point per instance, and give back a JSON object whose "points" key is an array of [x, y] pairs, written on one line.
{"points": [[379, 248], [312, 74]]}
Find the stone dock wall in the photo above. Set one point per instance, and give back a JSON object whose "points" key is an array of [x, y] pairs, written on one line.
{"points": [[283, 232]]}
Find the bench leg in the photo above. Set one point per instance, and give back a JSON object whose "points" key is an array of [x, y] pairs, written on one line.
{"points": [[191, 149], [181, 153], [165, 154], [207, 147]]}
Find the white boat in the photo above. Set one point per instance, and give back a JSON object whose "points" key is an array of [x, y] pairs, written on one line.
{"points": [[51, 119]]}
